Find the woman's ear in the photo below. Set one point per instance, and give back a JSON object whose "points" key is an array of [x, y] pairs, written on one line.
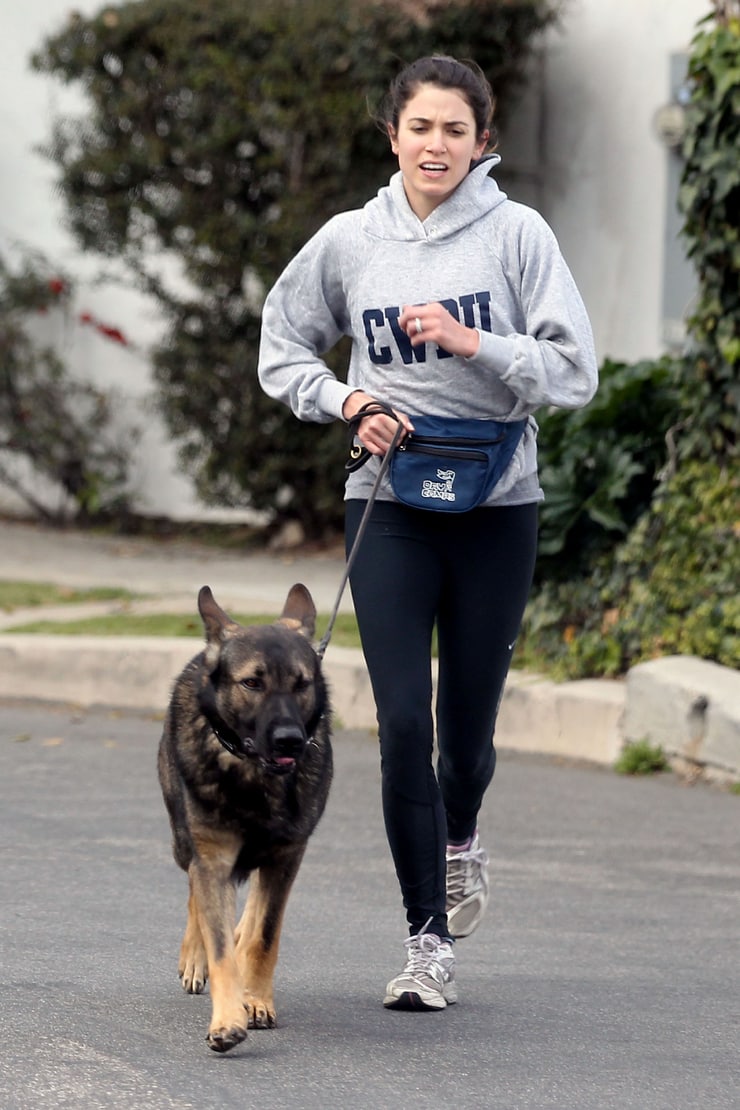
{"points": [[393, 138], [482, 143]]}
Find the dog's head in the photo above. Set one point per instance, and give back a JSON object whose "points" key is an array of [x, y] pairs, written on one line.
{"points": [[263, 692]]}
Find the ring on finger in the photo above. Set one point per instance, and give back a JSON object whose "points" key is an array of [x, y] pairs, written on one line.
{"points": [[419, 326]]}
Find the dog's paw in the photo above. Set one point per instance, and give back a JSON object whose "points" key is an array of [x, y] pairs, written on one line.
{"points": [[193, 976], [260, 1013], [224, 1039]]}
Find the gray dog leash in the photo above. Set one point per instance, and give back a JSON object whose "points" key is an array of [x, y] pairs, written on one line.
{"points": [[385, 463]]}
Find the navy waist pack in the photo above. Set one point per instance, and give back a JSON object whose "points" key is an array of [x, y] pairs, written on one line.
{"points": [[452, 465]]}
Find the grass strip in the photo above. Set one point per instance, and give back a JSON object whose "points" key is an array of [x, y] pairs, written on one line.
{"points": [[172, 624], [32, 595]]}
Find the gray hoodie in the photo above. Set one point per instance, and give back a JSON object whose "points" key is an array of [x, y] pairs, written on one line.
{"points": [[493, 263]]}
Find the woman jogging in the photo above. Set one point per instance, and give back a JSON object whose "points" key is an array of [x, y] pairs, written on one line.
{"points": [[460, 306]]}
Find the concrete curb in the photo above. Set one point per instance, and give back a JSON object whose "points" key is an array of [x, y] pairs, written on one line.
{"points": [[579, 719], [589, 719], [134, 672], [688, 706]]}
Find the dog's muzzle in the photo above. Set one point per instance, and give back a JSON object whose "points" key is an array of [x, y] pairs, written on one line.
{"points": [[287, 741]]}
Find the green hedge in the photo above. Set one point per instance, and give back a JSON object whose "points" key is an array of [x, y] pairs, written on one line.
{"points": [[670, 588]]}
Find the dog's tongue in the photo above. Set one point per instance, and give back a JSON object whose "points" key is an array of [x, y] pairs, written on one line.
{"points": [[284, 760]]}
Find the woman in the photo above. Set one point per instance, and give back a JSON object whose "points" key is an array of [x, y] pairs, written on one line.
{"points": [[459, 304]]}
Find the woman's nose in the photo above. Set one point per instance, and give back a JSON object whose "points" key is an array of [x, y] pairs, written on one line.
{"points": [[436, 141]]}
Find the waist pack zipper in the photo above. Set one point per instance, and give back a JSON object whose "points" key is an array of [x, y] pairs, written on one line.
{"points": [[454, 441], [430, 448]]}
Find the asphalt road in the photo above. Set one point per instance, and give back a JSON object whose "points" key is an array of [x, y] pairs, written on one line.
{"points": [[604, 978]]}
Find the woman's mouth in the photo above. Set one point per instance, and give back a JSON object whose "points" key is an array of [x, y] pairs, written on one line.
{"points": [[435, 168]]}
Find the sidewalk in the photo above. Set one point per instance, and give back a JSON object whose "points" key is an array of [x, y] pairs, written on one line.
{"points": [[581, 720]]}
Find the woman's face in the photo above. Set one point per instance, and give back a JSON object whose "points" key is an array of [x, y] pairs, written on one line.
{"points": [[435, 143]]}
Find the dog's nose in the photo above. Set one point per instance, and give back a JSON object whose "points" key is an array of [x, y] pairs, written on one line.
{"points": [[288, 739]]}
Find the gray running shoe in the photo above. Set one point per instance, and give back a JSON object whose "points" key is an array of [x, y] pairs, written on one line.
{"points": [[428, 980], [467, 888]]}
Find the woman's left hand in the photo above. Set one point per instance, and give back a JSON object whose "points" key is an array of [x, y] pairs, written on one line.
{"points": [[439, 326]]}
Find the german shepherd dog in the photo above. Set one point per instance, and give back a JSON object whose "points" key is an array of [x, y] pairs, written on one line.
{"points": [[245, 765]]}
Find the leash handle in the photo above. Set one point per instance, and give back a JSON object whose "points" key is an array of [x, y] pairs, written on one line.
{"points": [[382, 469], [358, 455]]}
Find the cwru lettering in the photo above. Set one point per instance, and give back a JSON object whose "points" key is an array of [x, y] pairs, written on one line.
{"points": [[386, 340]]}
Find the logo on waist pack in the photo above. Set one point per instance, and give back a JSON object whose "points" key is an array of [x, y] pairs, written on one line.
{"points": [[441, 490]]}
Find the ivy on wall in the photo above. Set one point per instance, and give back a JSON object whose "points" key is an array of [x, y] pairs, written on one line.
{"points": [[709, 200]]}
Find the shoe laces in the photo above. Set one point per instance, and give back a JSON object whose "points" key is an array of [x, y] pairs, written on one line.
{"points": [[423, 952], [461, 870]]}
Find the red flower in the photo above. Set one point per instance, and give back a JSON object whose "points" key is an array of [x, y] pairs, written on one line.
{"points": [[113, 333]]}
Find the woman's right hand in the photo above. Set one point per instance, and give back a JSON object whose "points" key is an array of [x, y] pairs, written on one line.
{"points": [[375, 433]]}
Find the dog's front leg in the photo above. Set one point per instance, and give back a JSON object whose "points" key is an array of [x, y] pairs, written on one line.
{"points": [[215, 902], [193, 965], [258, 933]]}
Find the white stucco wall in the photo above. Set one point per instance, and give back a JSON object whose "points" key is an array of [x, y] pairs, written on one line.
{"points": [[608, 167], [596, 168], [581, 146]]}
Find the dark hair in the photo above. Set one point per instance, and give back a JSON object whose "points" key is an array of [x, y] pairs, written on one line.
{"points": [[466, 78]]}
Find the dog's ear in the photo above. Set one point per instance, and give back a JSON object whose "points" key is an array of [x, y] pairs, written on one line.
{"points": [[299, 612], [218, 625]]}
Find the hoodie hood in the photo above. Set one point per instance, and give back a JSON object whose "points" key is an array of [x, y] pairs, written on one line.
{"points": [[390, 216]]}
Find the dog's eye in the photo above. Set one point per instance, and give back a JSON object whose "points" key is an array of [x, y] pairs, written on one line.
{"points": [[252, 683], [301, 684]]}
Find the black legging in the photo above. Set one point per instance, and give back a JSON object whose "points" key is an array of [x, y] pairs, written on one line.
{"points": [[470, 573]]}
